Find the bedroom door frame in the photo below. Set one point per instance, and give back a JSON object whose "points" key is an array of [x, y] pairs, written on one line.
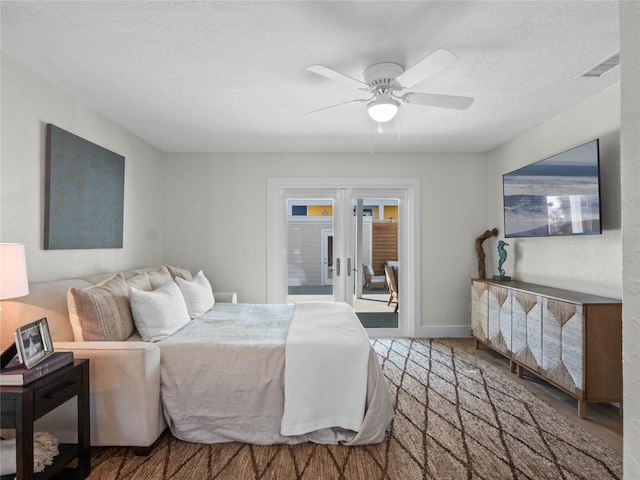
{"points": [[279, 190]]}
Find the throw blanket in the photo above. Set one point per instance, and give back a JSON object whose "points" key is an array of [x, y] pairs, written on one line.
{"points": [[45, 448], [327, 355]]}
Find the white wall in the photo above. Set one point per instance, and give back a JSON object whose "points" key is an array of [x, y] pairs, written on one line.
{"points": [[630, 173], [215, 210], [28, 103], [592, 263]]}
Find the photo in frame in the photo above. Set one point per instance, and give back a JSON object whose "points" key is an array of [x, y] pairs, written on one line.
{"points": [[84, 193], [33, 342]]}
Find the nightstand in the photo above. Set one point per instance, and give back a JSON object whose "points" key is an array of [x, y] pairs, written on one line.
{"points": [[20, 406]]}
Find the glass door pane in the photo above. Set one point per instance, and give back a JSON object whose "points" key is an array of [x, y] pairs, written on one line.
{"points": [[375, 292], [310, 252]]}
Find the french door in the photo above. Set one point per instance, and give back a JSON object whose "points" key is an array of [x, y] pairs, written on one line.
{"points": [[348, 208]]}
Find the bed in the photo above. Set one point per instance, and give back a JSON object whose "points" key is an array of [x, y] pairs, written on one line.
{"points": [[274, 374]]}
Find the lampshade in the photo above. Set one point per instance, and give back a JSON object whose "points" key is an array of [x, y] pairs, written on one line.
{"points": [[13, 271], [383, 108]]}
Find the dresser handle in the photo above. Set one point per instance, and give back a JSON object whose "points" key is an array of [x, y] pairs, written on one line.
{"points": [[62, 391]]}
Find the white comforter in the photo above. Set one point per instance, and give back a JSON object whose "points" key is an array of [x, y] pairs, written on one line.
{"points": [[223, 379]]}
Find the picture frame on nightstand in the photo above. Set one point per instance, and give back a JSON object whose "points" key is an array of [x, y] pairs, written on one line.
{"points": [[33, 342]]}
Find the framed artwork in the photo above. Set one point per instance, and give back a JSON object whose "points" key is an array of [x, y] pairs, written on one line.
{"points": [[33, 342], [84, 193]]}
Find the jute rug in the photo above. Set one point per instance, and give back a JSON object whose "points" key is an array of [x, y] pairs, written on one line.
{"points": [[457, 417]]}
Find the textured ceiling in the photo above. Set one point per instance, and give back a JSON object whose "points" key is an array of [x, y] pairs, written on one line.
{"points": [[231, 76]]}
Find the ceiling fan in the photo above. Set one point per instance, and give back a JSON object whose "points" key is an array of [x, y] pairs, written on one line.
{"points": [[387, 81]]}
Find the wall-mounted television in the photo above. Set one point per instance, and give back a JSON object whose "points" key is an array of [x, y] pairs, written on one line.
{"points": [[559, 195]]}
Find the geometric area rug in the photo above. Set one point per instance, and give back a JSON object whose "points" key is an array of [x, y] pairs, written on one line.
{"points": [[456, 417]]}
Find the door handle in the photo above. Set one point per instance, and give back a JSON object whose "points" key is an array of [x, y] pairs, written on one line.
{"points": [[338, 266], [348, 266]]}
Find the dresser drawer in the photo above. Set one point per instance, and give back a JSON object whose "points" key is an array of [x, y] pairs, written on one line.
{"points": [[59, 390]]}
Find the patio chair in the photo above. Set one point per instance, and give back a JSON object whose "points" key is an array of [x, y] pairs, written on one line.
{"points": [[391, 283], [371, 279]]}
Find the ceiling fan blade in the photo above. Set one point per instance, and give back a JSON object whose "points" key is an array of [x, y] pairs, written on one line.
{"points": [[337, 76], [360, 100], [429, 65], [433, 100]]}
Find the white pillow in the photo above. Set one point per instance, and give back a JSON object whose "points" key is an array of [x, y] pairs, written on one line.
{"points": [[159, 313], [140, 281], [197, 294], [158, 276]]}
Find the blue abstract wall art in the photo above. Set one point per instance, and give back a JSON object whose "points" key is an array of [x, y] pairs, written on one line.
{"points": [[84, 193]]}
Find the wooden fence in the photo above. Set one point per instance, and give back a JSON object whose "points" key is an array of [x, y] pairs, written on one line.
{"points": [[384, 244]]}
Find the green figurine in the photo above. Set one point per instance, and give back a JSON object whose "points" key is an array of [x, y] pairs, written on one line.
{"points": [[502, 255]]}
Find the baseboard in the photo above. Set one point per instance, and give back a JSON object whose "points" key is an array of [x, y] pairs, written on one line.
{"points": [[442, 331]]}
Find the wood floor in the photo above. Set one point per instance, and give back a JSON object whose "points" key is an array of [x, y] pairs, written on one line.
{"points": [[603, 420]]}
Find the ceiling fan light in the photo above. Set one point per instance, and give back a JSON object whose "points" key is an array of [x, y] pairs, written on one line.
{"points": [[383, 109]]}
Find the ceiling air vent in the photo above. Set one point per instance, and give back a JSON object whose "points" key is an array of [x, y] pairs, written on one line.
{"points": [[602, 67]]}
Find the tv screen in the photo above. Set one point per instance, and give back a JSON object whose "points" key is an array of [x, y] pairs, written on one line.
{"points": [[559, 195]]}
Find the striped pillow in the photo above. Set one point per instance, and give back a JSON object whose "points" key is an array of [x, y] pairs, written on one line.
{"points": [[101, 312]]}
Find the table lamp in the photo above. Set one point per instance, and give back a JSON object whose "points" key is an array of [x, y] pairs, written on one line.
{"points": [[13, 282]]}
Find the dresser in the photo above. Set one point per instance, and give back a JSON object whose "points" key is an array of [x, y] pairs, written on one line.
{"points": [[570, 339]]}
